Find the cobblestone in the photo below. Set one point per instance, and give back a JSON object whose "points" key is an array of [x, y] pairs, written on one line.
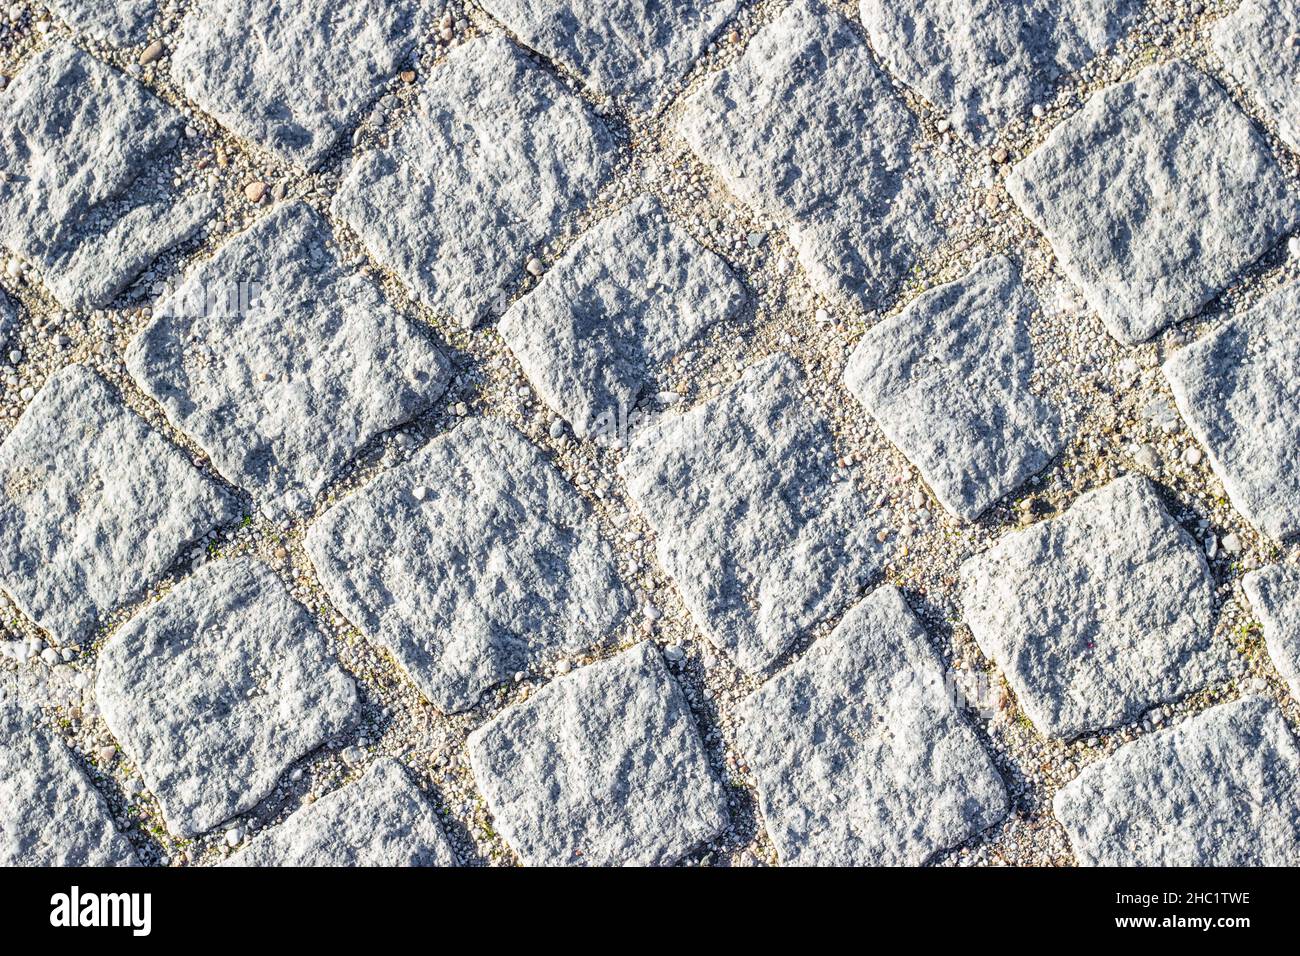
{"points": [[1218, 790], [1098, 614], [862, 756], [762, 536], [217, 688], [807, 130], [93, 505], [776, 432], [496, 156], [603, 767], [280, 363], [471, 562], [1181, 191]]}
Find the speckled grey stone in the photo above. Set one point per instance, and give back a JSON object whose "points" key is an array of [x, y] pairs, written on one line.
{"points": [[985, 62], [53, 816], [861, 754], [381, 820], [215, 689], [82, 143], [232, 58], [1098, 614], [948, 380], [120, 22], [496, 156], [624, 48], [8, 317], [94, 505], [807, 130], [1220, 789], [762, 535], [1257, 45], [1236, 389], [470, 562], [1154, 197], [131, 245], [279, 362], [627, 296], [603, 767], [1274, 593]]}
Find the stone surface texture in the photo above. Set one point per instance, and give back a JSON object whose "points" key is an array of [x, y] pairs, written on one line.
{"points": [[603, 767], [470, 562], [215, 689], [53, 816], [1097, 614], [622, 48], [381, 820], [761, 535], [120, 22], [985, 62], [492, 431], [497, 155], [279, 362], [807, 130], [948, 379], [1257, 45], [1181, 194], [94, 506], [1274, 594], [861, 754], [1236, 389], [343, 53], [629, 295], [79, 142], [1220, 789]]}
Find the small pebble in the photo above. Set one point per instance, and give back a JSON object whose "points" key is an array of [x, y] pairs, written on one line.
{"points": [[152, 52]]}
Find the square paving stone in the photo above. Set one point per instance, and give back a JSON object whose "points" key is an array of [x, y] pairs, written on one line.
{"points": [[470, 562], [807, 130], [120, 22], [1257, 45], [603, 767], [629, 295], [94, 506], [761, 532], [280, 363], [82, 145], [496, 156], [1098, 614], [1236, 389], [1154, 197], [985, 62], [53, 816], [625, 48], [861, 754], [215, 689], [948, 379], [232, 57], [1274, 594], [1220, 789], [381, 820]]}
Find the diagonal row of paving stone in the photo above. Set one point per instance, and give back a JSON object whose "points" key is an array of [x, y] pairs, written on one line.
{"points": [[477, 559]]}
